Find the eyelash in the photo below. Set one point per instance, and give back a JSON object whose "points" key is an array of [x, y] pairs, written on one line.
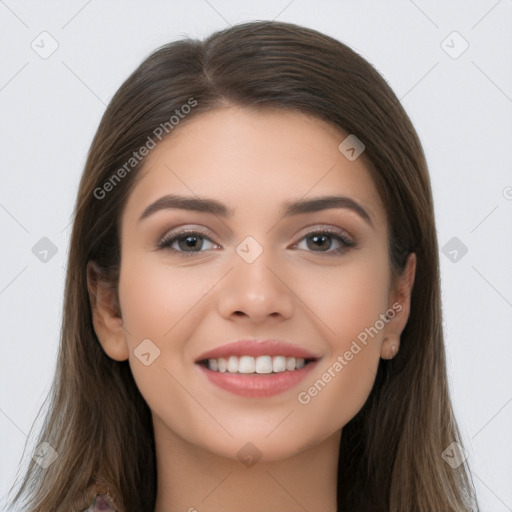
{"points": [[347, 244]]}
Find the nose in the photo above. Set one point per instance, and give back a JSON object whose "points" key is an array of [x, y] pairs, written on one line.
{"points": [[256, 290]]}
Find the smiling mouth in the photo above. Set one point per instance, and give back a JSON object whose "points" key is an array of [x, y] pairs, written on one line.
{"points": [[249, 365]]}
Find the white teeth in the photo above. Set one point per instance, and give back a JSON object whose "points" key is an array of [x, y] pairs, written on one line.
{"points": [[246, 364], [221, 363], [264, 364], [279, 364], [261, 364], [233, 364]]}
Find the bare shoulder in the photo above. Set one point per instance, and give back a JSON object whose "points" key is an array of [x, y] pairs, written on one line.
{"points": [[101, 503]]}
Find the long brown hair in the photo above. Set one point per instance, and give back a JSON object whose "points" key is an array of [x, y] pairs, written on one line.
{"points": [[97, 421]]}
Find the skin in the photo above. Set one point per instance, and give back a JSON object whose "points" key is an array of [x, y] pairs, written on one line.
{"points": [[188, 303]]}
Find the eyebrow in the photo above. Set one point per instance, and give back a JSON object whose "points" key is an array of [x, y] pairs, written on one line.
{"points": [[290, 208]]}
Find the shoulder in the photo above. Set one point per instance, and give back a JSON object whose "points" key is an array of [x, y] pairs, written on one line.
{"points": [[102, 501]]}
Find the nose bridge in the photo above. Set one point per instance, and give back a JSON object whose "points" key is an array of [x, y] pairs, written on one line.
{"points": [[255, 287]]}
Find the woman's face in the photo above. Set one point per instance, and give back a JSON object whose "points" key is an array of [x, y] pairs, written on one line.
{"points": [[193, 280]]}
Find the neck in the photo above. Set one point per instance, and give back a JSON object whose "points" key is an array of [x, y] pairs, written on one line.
{"points": [[191, 479]]}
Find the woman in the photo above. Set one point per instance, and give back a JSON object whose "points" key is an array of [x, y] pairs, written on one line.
{"points": [[214, 356]]}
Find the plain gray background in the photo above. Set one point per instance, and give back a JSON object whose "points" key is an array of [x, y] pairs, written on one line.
{"points": [[459, 101]]}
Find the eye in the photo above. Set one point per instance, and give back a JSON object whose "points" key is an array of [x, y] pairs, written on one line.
{"points": [[186, 242], [326, 238], [320, 241]]}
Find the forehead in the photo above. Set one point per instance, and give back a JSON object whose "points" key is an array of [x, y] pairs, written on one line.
{"points": [[247, 157]]}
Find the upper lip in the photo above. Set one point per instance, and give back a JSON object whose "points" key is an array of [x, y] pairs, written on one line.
{"points": [[257, 348]]}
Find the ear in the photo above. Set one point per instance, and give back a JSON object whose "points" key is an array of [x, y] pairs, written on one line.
{"points": [[106, 316], [399, 309]]}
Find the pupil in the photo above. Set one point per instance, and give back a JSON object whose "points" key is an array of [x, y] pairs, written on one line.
{"points": [[191, 241], [317, 238]]}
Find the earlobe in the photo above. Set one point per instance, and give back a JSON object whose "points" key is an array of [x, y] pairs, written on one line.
{"points": [[400, 303], [106, 319], [390, 347]]}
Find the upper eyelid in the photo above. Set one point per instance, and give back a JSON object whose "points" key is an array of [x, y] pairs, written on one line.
{"points": [[306, 231], [173, 233], [325, 227]]}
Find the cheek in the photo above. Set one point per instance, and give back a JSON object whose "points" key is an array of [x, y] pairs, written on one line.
{"points": [[157, 300], [163, 305], [350, 312], [346, 299]]}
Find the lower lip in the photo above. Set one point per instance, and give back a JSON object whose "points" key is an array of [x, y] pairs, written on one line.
{"points": [[258, 385]]}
